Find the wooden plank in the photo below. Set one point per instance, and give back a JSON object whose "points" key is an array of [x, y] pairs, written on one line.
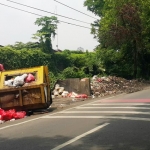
{"points": [[20, 98], [43, 94]]}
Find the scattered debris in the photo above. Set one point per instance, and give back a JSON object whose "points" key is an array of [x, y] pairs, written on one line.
{"points": [[99, 87], [102, 86], [59, 92]]}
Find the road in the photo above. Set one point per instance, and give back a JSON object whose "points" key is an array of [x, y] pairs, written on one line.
{"points": [[120, 122]]}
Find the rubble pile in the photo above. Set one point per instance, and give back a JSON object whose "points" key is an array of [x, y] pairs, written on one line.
{"points": [[59, 92], [102, 86]]}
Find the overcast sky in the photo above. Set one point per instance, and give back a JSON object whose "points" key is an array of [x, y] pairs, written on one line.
{"points": [[19, 26]]}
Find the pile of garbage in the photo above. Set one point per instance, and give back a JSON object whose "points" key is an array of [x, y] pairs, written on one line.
{"points": [[59, 92], [11, 115], [102, 86], [20, 80]]}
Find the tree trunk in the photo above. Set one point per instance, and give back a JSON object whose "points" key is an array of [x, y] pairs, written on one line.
{"points": [[135, 59]]}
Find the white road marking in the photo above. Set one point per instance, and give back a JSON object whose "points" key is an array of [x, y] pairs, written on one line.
{"points": [[96, 117], [106, 112], [79, 137], [19, 123], [147, 104], [56, 113], [112, 107]]}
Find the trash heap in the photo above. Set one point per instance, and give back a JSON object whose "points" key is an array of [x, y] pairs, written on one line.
{"points": [[102, 86], [59, 92], [20, 80], [10, 115]]}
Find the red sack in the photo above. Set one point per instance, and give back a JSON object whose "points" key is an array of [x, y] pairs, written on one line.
{"points": [[30, 78], [81, 96], [1, 67], [8, 115], [1, 111], [19, 115]]}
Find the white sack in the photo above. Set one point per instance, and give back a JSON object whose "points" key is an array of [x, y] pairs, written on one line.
{"points": [[19, 80]]}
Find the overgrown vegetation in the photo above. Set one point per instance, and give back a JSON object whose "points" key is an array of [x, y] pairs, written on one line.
{"points": [[124, 34]]}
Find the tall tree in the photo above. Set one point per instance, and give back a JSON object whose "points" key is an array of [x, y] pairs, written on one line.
{"points": [[123, 25], [48, 27]]}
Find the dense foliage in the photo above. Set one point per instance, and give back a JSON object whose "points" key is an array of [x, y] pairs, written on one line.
{"points": [[65, 64], [123, 32]]}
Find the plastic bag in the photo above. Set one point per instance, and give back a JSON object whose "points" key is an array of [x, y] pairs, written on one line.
{"points": [[19, 80], [1, 67], [81, 96], [11, 115], [65, 93], [19, 115], [30, 78], [9, 82], [72, 94], [1, 111], [8, 115]]}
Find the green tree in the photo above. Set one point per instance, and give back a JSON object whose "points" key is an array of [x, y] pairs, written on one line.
{"points": [[95, 6], [28, 45], [48, 27], [124, 26]]}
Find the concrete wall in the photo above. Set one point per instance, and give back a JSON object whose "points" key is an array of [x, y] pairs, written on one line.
{"points": [[76, 85]]}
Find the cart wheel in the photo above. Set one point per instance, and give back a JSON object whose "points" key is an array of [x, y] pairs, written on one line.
{"points": [[29, 112]]}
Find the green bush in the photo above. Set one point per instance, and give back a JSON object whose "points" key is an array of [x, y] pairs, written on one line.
{"points": [[14, 59], [73, 72]]}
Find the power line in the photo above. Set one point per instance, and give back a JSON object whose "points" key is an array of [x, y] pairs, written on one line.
{"points": [[47, 12], [75, 9], [43, 16]]}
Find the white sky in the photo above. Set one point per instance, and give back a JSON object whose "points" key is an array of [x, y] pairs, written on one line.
{"points": [[19, 26]]}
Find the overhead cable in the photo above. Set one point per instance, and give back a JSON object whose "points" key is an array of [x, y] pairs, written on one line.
{"points": [[47, 11], [75, 9], [43, 16]]}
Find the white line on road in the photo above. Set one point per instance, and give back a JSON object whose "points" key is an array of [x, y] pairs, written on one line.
{"points": [[79, 137], [19, 123], [106, 112], [112, 107], [97, 117]]}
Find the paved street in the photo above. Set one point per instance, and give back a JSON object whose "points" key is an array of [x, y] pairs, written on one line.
{"points": [[116, 123]]}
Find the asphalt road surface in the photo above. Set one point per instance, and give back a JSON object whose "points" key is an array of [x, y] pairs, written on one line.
{"points": [[116, 123]]}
